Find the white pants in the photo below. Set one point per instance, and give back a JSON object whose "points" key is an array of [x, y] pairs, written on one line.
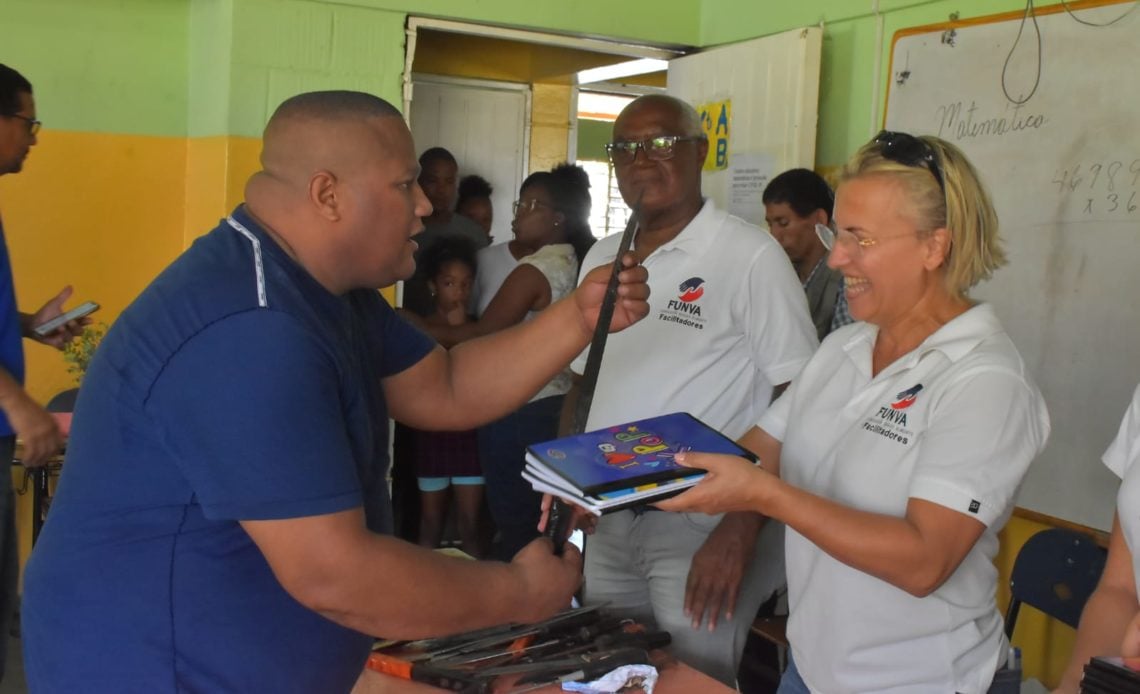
{"points": [[639, 565]]}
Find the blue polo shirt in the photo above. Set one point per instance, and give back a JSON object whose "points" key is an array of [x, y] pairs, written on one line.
{"points": [[11, 335], [234, 388]]}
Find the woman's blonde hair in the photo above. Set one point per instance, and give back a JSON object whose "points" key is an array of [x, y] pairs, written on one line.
{"points": [[964, 209]]}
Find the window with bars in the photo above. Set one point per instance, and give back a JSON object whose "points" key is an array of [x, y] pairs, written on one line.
{"points": [[609, 213]]}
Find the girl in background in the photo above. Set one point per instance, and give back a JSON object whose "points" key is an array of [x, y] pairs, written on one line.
{"points": [[552, 235], [448, 461]]}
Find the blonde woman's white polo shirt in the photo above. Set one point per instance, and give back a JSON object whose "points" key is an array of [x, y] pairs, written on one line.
{"points": [[955, 422]]}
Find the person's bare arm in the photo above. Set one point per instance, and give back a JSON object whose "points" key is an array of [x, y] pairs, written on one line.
{"points": [[54, 307], [718, 567], [483, 379], [916, 553], [1107, 613], [34, 426], [525, 289], [385, 587]]}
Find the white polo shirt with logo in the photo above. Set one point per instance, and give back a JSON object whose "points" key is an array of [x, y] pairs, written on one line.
{"points": [[727, 321], [955, 422], [1121, 458]]}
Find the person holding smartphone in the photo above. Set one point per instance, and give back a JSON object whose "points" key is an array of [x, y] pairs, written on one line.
{"points": [[20, 415]]}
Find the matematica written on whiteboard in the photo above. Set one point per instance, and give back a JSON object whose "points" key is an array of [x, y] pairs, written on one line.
{"points": [[1063, 167]]}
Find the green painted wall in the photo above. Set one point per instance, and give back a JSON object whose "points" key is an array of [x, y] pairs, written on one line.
{"points": [[283, 47], [218, 67], [213, 67], [210, 53], [277, 48], [101, 65], [593, 135], [672, 22], [847, 97]]}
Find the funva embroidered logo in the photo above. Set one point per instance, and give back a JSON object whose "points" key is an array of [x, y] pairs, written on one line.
{"points": [[684, 310], [906, 398], [691, 289]]}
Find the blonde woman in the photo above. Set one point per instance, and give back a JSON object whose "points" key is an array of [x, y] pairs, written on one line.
{"points": [[893, 458]]}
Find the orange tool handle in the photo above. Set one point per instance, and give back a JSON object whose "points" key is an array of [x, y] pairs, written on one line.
{"points": [[390, 666]]}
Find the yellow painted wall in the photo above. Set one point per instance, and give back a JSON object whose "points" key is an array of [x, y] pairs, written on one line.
{"points": [[106, 213], [550, 125], [216, 172], [103, 212]]}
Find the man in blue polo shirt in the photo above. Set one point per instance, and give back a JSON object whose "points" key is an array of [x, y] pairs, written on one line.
{"points": [[20, 415], [209, 530]]}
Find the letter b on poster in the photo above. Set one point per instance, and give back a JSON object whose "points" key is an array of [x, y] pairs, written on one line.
{"points": [[716, 120]]}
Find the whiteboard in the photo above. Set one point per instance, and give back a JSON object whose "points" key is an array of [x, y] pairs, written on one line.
{"points": [[1063, 170]]}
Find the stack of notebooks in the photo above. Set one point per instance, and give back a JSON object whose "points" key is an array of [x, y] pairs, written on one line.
{"points": [[621, 466], [1111, 676]]}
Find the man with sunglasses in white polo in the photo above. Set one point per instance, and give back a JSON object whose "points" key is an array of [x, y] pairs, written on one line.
{"points": [[728, 328]]}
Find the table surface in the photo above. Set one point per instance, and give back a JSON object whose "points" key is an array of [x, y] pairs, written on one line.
{"points": [[675, 678]]}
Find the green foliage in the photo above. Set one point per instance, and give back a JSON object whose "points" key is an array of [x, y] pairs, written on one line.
{"points": [[79, 351]]}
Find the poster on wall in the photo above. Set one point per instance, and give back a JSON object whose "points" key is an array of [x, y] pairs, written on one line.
{"points": [[716, 121], [748, 176]]}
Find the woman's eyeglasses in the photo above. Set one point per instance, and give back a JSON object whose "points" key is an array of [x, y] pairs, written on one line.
{"points": [[529, 205], [909, 150], [830, 238], [657, 148]]}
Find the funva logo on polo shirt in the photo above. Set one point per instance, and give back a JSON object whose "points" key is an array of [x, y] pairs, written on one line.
{"points": [[890, 421], [686, 309], [906, 398]]}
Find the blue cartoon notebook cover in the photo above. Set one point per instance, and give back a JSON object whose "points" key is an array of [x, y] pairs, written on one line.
{"points": [[630, 455]]}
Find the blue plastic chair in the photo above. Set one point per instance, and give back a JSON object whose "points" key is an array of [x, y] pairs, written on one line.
{"points": [[1056, 571]]}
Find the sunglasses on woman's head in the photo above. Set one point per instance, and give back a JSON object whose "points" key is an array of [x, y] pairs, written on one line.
{"points": [[909, 150]]}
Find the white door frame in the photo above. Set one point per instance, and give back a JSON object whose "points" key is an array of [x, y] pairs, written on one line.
{"points": [[494, 85], [612, 47]]}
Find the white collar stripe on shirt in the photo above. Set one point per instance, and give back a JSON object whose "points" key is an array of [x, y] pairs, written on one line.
{"points": [[258, 267]]}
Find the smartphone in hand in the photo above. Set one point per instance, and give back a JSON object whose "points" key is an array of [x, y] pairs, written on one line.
{"points": [[48, 327]]}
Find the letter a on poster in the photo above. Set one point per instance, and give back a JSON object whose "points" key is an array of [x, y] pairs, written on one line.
{"points": [[716, 121]]}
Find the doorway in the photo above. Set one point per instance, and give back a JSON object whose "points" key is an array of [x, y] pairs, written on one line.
{"points": [[485, 124], [453, 70]]}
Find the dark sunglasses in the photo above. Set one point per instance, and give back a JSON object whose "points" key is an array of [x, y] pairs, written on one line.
{"points": [[909, 150]]}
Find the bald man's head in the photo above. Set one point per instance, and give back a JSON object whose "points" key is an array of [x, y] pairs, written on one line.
{"points": [[322, 131], [338, 188], [685, 119], [335, 104]]}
